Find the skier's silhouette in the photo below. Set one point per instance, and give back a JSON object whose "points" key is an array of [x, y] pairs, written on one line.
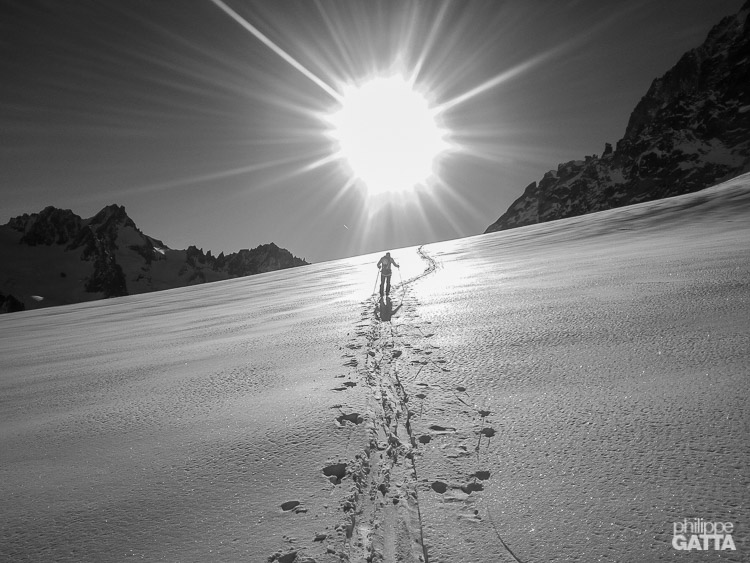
{"points": [[384, 264]]}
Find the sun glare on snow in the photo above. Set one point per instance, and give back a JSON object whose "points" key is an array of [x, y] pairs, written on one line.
{"points": [[387, 134]]}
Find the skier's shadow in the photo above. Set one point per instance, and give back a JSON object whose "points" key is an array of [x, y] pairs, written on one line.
{"points": [[384, 309]]}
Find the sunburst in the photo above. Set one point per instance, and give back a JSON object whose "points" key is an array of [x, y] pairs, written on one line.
{"points": [[388, 135]]}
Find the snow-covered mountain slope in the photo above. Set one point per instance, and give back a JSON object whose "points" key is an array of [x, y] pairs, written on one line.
{"points": [[564, 391], [54, 257], [691, 130]]}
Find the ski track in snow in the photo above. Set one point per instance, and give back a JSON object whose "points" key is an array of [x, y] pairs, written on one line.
{"points": [[385, 519], [396, 363]]}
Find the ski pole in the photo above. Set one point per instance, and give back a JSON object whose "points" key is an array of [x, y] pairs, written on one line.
{"points": [[376, 282], [403, 289]]}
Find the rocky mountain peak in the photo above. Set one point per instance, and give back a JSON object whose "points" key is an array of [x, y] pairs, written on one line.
{"points": [[112, 214], [49, 226], [710, 66], [108, 256], [690, 131]]}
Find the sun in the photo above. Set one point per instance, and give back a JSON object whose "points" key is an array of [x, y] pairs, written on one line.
{"points": [[388, 135]]}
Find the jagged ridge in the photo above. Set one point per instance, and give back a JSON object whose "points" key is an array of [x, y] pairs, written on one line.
{"points": [[108, 256], [691, 130]]}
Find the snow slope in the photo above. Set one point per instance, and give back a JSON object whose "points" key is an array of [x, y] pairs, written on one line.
{"points": [[560, 392]]}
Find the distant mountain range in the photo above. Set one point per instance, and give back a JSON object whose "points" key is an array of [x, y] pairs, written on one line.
{"points": [[690, 131], [55, 258]]}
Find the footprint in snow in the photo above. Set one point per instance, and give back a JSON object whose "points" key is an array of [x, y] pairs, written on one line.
{"points": [[293, 505], [439, 487], [488, 432], [442, 429], [457, 452], [472, 516], [288, 557], [335, 472], [471, 487], [354, 417]]}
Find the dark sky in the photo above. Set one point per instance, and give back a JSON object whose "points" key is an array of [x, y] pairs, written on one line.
{"points": [[208, 137]]}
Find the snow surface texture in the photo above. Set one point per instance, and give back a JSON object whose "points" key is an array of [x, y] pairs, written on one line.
{"points": [[560, 392]]}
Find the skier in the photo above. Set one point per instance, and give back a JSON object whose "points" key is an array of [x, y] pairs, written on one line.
{"points": [[384, 264]]}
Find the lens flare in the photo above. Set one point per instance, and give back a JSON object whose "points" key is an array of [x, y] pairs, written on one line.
{"points": [[388, 135], [406, 102]]}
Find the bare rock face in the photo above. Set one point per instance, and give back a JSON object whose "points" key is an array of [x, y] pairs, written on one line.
{"points": [[690, 131], [9, 304], [50, 226], [109, 257]]}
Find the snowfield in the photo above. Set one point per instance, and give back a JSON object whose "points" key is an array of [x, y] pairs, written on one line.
{"points": [[559, 392]]}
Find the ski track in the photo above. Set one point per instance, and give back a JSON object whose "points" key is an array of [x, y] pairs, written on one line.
{"points": [[392, 357]]}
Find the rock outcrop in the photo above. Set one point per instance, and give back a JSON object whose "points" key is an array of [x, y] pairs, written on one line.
{"points": [[55, 257], [690, 131]]}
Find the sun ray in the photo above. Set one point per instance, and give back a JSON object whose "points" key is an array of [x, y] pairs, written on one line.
{"points": [[337, 34], [323, 161], [209, 177], [497, 80], [427, 47], [534, 61], [276, 49], [338, 195], [414, 44], [465, 205]]}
